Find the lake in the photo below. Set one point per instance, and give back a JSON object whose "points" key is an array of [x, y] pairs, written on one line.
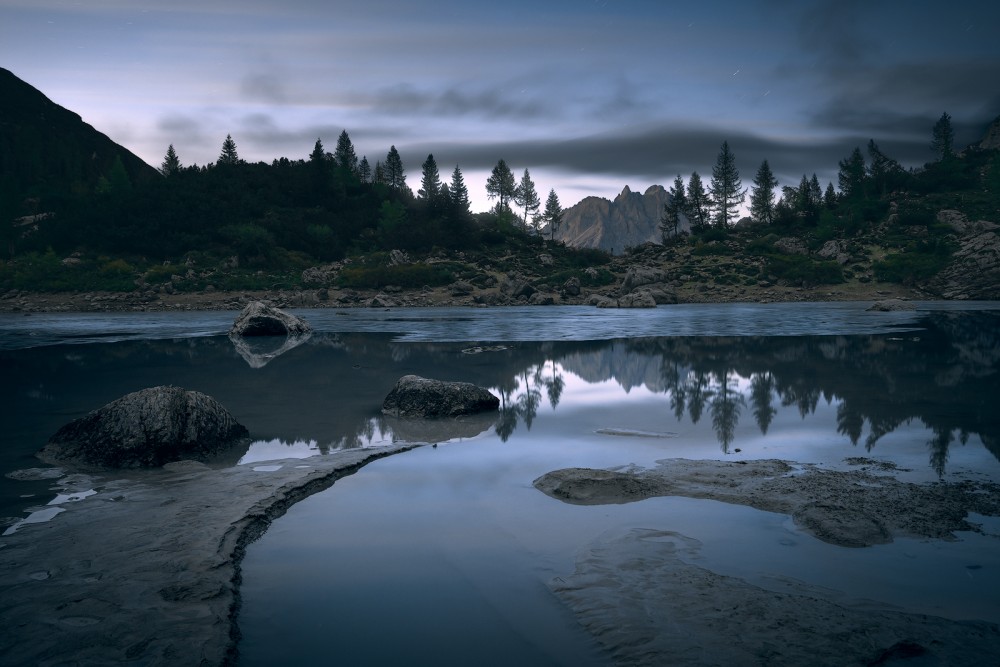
{"points": [[443, 552]]}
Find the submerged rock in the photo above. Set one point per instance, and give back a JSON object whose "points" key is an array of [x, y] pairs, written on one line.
{"points": [[260, 319], [147, 428], [891, 305], [414, 396]]}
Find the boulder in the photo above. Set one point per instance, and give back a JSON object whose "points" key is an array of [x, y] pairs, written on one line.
{"points": [[891, 305], [637, 299], [147, 428], [790, 245], [835, 250], [572, 287], [642, 275], [414, 396], [661, 294], [260, 319], [541, 299]]}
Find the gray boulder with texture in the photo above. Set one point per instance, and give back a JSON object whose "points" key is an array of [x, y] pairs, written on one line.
{"points": [[260, 319], [414, 396], [145, 429]]}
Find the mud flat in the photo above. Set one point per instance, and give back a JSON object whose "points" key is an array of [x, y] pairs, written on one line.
{"points": [[144, 567], [645, 601]]}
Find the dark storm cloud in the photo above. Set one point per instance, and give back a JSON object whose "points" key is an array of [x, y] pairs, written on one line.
{"points": [[407, 100], [657, 153], [906, 99]]}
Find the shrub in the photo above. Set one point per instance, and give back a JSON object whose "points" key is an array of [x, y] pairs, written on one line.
{"points": [[403, 275], [798, 269]]}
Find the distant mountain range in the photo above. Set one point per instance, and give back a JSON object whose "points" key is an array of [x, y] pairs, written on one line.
{"points": [[630, 220], [47, 150]]}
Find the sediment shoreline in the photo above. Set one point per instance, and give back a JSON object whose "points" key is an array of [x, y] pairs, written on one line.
{"points": [[146, 570]]}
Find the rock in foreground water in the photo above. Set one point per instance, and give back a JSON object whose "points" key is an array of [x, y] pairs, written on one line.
{"points": [[260, 319], [414, 396], [147, 428]]}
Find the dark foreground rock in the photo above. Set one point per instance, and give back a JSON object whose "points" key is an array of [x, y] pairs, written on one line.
{"points": [[147, 428], [414, 396], [260, 319]]}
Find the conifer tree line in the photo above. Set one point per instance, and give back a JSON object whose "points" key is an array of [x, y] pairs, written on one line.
{"points": [[323, 207], [861, 183]]}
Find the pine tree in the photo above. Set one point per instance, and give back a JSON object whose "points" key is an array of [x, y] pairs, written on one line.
{"points": [[501, 186], [395, 178], [943, 137], [698, 210], [364, 170], [430, 181], [674, 207], [553, 214], [318, 155], [830, 196], [171, 163], [815, 192], [459, 193], [851, 177], [229, 156], [344, 153], [378, 176], [762, 197], [726, 189], [526, 196]]}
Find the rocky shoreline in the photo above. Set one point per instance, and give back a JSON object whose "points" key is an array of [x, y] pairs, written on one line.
{"points": [[15, 301], [143, 567]]}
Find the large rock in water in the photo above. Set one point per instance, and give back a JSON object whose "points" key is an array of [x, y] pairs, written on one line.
{"points": [[414, 396], [260, 319], [147, 428]]}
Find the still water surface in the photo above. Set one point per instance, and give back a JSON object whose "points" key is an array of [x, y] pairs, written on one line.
{"points": [[441, 553]]}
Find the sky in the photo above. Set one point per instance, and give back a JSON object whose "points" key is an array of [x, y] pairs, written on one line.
{"points": [[589, 95]]}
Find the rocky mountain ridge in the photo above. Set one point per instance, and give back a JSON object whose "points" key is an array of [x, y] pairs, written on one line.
{"points": [[629, 221]]}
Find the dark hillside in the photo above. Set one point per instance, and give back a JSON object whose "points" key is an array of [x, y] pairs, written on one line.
{"points": [[48, 151]]}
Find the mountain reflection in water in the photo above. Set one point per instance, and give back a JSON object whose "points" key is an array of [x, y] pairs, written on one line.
{"points": [[941, 372], [945, 376]]}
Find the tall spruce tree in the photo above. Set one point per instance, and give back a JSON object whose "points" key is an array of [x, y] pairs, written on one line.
{"points": [[229, 156], [526, 196], [459, 193], [943, 137], [726, 189], [395, 178], [762, 196], [851, 176], [344, 154], [553, 214], [698, 204], [318, 155], [674, 207], [378, 175], [430, 180], [501, 186], [171, 163], [364, 170]]}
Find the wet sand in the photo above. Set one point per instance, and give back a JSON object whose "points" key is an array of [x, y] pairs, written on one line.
{"points": [[645, 601], [146, 570]]}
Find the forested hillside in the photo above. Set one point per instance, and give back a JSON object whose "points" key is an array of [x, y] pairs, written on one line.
{"points": [[81, 213]]}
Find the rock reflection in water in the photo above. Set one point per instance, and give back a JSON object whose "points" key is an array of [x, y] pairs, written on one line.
{"points": [[261, 350]]}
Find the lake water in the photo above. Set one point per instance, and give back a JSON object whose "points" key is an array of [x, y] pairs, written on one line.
{"points": [[442, 553]]}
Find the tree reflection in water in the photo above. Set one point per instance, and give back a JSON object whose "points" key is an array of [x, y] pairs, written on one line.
{"points": [[945, 376]]}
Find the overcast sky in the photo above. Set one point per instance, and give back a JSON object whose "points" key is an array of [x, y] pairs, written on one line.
{"points": [[589, 95]]}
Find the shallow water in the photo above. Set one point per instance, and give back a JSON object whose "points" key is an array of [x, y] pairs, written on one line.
{"points": [[442, 552]]}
